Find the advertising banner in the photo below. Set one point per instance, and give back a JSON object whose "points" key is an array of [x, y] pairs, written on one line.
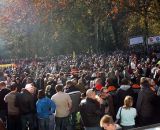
{"points": [[153, 40], [136, 40]]}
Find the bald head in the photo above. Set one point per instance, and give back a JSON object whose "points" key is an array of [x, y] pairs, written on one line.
{"points": [[90, 93]]}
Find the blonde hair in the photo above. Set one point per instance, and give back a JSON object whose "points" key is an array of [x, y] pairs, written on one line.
{"points": [[128, 102], [106, 119]]}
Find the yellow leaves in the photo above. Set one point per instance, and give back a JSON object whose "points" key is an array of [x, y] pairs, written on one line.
{"points": [[45, 19], [89, 12], [113, 2], [115, 10], [121, 4], [44, 5], [132, 2], [114, 17], [62, 4]]}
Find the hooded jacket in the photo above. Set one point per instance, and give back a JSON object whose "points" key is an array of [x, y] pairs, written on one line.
{"points": [[122, 92]]}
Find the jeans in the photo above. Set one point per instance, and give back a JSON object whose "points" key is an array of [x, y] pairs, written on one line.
{"points": [[92, 128], [63, 123], [14, 122], [127, 127], [35, 121], [73, 120], [43, 124], [51, 122], [27, 121], [3, 115]]}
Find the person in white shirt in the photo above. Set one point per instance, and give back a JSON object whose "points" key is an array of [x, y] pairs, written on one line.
{"points": [[127, 114], [64, 105]]}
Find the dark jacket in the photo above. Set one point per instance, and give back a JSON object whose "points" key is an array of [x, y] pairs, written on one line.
{"points": [[71, 89], [111, 111], [25, 102], [40, 83], [122, 92], [2, 127], [76, 98], [91, 112], [19, 86], [3, 93], [145, 102]]}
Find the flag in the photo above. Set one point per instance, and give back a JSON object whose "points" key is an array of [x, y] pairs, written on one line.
{"points": [[74, 55]]}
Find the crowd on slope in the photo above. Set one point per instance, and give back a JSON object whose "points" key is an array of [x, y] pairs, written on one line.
{"points": [[85, 92]]}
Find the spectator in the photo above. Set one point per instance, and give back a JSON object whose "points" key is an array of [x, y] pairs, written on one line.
{"points": [[45, 108], [108, 102], [13, 122], [98, 84], [50, 88], [127, 114], [75, 97], [40, 82], [81, 85], [91, 111], [70, 87], [124, 90], [3, 106], [145, 103], [64, 105], [26, 104], [19, 84], [108, 124]]}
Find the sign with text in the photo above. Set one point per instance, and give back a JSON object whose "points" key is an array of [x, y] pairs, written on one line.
{"points": [[152, 40], [136, 40]]}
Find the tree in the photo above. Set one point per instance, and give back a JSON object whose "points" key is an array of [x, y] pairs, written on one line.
{"points": [[53, 27]]}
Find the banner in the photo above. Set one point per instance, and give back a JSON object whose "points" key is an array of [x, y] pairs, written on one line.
{"points": [[7, 65], [153, 40], [136, 40], [74, 55]]}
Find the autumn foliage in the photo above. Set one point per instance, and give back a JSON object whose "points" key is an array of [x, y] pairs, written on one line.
{"points": [[56, 26]]}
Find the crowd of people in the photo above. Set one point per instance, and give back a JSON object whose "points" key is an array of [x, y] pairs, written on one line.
{"points": [[85, 92]]}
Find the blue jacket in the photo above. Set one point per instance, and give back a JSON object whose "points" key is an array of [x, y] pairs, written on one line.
{"points": [[45, 107]]}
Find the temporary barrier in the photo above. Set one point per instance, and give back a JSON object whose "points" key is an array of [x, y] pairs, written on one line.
{"points": [[150, 127]]}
